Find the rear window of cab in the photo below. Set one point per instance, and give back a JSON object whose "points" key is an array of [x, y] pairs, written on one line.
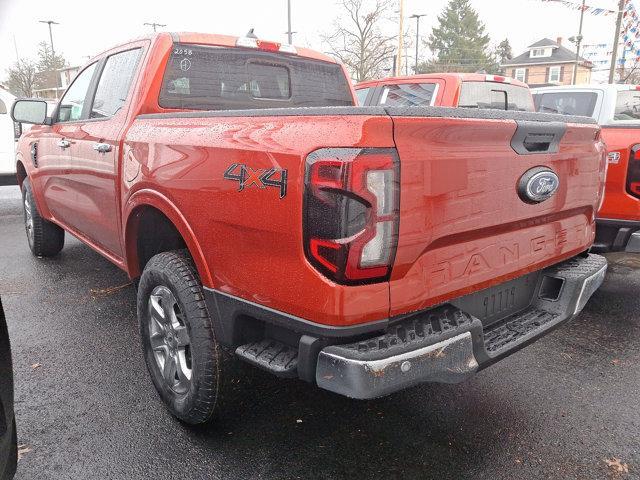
{"points": [[566, 102], [627, 105], [201, 77], [496, 96]]}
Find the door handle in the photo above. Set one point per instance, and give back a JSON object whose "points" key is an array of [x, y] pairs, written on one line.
{"points": [[102, 147], [64, 143]]}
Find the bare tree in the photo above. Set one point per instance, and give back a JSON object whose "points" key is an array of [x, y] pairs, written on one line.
{"points": [[629, 73], [23, 77], [357, 40]]}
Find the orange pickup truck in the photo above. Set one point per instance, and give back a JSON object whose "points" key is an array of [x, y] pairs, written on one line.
{"points": [[265, 217], [466, 90]]}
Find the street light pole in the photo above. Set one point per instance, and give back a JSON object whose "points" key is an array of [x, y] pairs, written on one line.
{"points": [[289, 32], [154, 25], [53, 52], [417, 17], [50, 22]]}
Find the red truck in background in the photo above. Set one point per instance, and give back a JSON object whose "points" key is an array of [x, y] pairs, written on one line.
{"points": [[617, 109], [267, 217], [466, 90]]}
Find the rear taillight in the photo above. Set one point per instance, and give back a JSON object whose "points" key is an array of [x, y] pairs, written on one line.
{"points": [[351, 213], [633, 171]]}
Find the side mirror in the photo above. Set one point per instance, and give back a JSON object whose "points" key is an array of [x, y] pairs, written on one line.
{"points": [[30, 111]]}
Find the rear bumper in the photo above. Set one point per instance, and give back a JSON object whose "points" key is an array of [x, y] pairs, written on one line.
{"points": [[614, 235], [447, 344]]}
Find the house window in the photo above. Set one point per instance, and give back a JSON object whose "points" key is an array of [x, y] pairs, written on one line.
{"points": [[554, 75], [540, 52], [521, 74]]}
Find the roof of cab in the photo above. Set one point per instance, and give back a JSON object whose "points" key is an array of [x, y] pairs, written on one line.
{"points": [[218, 40], [610, 87], [454, 77]]}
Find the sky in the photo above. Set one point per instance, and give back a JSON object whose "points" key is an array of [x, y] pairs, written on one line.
{"points": [[88, 26]]}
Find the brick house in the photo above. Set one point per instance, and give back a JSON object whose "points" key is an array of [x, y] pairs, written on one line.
{"points": [[548, 63]]}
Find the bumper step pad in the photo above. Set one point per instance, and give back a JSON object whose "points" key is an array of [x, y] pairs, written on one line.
{"points": [[516, 327], [431, 326], [271, 355]]}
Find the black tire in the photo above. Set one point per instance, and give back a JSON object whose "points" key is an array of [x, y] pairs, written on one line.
{"points": [[198, 399], [46, 239]]}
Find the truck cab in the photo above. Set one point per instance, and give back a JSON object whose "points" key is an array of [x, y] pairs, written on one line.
{"points": [[617, 109], [467, 90]]}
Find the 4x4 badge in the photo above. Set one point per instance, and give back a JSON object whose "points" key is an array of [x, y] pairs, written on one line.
{"points": [[258, 177]]}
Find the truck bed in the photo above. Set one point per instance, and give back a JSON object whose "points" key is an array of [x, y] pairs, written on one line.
{"points": [[463, 227]]}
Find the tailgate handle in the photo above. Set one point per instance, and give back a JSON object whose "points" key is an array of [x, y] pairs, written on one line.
{"points": [[537, 137]]}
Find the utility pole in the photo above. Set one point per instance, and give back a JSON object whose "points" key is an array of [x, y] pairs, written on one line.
{"points": [[578, 41], [53, 53], [289, 32], [614, 54], [417, 17], [154, 25], [400, 39], [15, 45]]}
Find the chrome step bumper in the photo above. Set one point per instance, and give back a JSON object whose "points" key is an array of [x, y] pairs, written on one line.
{"points": [[447, 344]]}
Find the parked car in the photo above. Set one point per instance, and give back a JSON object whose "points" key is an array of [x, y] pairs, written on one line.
{"points": [[468, 90], [362, 249], [7, 141], [8, 442], [617, 110]]}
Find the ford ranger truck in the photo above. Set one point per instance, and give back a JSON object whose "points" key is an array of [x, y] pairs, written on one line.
{"points": [[617, 109], [266, 218], [467, 90]]}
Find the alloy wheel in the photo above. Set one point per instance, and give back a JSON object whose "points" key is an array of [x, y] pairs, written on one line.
{"points": [[169, 339]]}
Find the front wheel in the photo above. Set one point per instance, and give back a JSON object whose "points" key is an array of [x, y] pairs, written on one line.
{"points": [[46, 239], [187, 366]]}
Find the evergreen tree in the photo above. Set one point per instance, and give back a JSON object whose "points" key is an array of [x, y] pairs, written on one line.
{"points": [[48, 66], [503, 53], [459, 41]]}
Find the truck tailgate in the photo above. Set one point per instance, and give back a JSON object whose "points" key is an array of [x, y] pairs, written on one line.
{"points": [[463, 225]]}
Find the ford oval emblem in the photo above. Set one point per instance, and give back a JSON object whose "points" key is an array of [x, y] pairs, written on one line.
{"points": [[538, 184]]}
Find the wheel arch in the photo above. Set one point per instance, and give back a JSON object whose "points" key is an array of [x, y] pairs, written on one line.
{"points": [[21, 172], [146, 204]]}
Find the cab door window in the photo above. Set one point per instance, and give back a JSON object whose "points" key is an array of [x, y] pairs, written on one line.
{"points": [[72, 104], [113, 86]]}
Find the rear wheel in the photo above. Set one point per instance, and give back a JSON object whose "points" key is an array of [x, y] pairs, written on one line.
{"points": [[46, 239], [187, 366]]}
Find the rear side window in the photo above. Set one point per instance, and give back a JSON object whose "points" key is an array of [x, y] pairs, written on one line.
{"points": [[362, 95], [566, 103], [114, 83], [498, 96], [213, 78], [408, 95], [627, 105]]}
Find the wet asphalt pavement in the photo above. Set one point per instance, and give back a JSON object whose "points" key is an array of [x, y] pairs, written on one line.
{"points": [[558, 409]]}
